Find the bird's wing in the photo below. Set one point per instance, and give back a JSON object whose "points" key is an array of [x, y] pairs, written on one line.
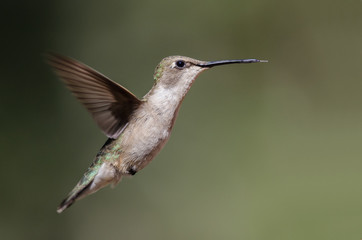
{"points": [[109, 103]]}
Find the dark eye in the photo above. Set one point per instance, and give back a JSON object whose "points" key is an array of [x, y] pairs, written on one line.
{"points": [[180, 64]]}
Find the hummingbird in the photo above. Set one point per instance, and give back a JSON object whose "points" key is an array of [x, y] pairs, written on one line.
{"points": [[137, 129]]}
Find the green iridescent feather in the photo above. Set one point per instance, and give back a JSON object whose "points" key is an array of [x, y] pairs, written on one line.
{"points": [[110, 152]]}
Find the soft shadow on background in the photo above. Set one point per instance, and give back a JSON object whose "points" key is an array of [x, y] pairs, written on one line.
{"points": [[262, 151]]}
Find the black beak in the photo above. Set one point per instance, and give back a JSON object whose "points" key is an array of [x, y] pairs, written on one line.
{"points": [[223, 62]]}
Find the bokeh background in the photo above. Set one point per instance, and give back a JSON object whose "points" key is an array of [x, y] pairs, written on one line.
{"points": [[262, 151]]}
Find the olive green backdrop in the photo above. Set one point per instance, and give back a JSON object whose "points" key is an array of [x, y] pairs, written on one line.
{"points": [[262, 151]]}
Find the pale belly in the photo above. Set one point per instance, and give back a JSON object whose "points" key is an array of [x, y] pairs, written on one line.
{"points": [[141, 141]]}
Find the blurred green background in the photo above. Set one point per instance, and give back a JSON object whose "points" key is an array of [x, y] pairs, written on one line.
{"points": [[262, 151]]}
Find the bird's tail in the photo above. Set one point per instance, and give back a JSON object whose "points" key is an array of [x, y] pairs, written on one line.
{"points": [[87, 183], [77, 193]]}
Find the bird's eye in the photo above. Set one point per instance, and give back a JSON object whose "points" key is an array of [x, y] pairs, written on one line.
{"points": [[180, 64]]}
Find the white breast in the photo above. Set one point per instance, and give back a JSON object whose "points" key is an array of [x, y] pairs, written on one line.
{"points": [[150, 128]]}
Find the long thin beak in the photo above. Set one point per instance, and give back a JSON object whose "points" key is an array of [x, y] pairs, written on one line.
{"points": [[223, 62]]}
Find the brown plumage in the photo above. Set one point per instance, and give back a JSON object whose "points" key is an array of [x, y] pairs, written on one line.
{"points": [[109, 103]]}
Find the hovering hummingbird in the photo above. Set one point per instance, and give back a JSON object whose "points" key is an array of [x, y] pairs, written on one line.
{"points": [[137, 129]]}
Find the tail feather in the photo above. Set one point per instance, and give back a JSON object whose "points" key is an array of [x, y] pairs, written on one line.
{"points": [[74, 195], [81, 189], [90, 183], [66, 203]]}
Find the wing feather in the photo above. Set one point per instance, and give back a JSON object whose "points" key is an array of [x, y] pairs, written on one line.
{"points": [[109, 103]]}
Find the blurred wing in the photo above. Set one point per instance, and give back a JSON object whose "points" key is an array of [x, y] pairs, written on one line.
{"points": [[109, 103]]}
